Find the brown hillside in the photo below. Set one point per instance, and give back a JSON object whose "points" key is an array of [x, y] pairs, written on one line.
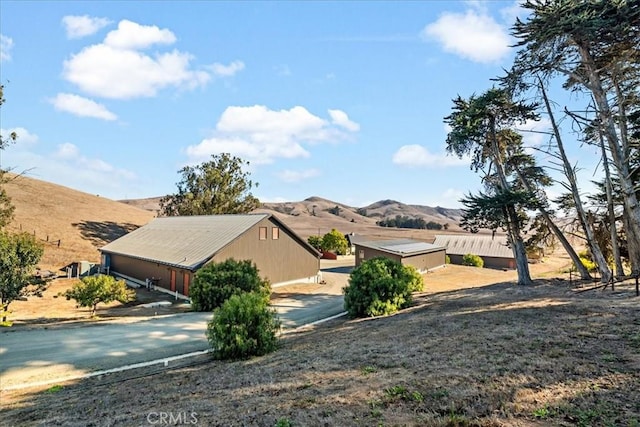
{"points": [[81, 222], [316, 215]]}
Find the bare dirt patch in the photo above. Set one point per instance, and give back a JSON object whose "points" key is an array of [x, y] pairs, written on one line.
{"points": [[52, 309]]}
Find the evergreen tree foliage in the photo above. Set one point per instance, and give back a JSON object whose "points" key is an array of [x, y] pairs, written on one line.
{"points": [[219, 186]]}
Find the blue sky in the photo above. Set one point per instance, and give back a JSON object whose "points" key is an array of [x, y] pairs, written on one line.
{"points": [[343, 100]]}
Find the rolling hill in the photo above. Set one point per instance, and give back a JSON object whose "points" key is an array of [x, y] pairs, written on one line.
{"points": [[316, 215], [74, 225]]}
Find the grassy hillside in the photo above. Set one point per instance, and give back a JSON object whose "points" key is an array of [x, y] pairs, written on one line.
{"points": [[316, 215], [80, 222]]}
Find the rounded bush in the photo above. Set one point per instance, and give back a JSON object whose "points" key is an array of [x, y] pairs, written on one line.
{"points": [[215, 283], [380, 286], [242, 327], [472, 260]]}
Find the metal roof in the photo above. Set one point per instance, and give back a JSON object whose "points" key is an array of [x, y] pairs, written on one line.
{"points": [[401, 246], [462, 244], [183, 241]]}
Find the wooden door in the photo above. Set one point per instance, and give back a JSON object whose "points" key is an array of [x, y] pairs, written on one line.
{"points": [[172, 282], [185, 281]]}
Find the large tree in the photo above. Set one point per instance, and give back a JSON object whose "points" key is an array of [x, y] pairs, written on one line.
{"points": [[219, 186], [480, 127], [594, 44]]}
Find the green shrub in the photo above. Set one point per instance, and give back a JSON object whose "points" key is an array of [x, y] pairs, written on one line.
{"points": [[472, 260], [215, 283], [242, 327], [93, 290], [447, 259], [380, 286]]}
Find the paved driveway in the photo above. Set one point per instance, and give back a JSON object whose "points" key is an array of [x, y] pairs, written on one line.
{"points": [[40, 355]]}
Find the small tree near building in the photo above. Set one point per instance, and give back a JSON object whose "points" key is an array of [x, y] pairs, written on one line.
{"points": [[93, 290], [217, 282], [335, 241], [315, 241]]}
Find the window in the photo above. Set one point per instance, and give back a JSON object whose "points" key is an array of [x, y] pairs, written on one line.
{"points": [[263, 233], [361, 254], [275, 233]]}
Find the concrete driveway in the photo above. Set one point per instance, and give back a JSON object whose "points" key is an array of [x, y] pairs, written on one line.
{"points": [[41, 355]]}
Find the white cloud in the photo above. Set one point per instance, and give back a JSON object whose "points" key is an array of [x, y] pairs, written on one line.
{"points": [[67, 165], [117, 69], [296, 176], [6, 46], [340, 118], [261, 135], [24, 136], [232, 69], [473, 35], [80, 26], [131, 35], [82, 107], [69, 154], [418, 156]]}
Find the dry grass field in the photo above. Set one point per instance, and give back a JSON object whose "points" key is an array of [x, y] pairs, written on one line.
{"points": [[474, 350], [498, 355]]}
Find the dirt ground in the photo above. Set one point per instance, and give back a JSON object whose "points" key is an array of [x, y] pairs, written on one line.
{"points": [[498, 355]]}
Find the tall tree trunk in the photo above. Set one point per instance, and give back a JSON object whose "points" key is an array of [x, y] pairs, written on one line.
{"points": [[632, 247], [615, 247], [596, 252], [618, 155], [515, 234], [580, 268]]}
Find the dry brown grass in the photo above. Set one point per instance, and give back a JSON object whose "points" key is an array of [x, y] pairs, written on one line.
{"points": [[81, 222], [487, 356]]}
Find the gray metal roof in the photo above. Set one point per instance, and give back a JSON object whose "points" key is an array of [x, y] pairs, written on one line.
{"points": [[183, 241], [462, 244], [401, 246]]}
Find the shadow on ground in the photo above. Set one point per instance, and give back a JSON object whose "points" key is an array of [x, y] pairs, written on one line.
{"points": [[102, 232]]}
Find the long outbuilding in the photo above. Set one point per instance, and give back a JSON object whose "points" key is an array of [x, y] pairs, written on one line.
{"points": [[493, 250], [423, 256], [168, 251]]}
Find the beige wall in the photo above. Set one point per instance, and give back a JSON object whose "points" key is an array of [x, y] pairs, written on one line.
{"points": [[280, 260], [421, 262]]}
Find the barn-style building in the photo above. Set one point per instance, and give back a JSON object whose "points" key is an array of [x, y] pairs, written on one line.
{"points": [[494, 251], [423, 256], [170, 250]]}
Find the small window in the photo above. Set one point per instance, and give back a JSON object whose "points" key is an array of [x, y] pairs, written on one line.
{"points": [[275, 233], [361, 254], [263, 233]]}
